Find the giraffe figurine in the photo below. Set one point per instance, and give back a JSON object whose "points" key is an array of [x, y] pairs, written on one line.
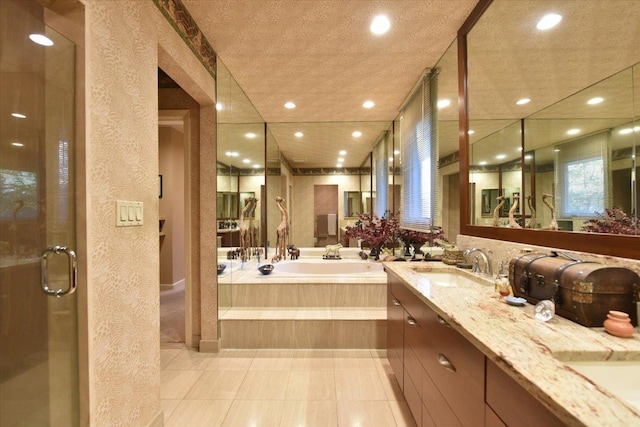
{"points": [[532, 220], [554, 224], [282, 233], [496, 211], [512, 221]]}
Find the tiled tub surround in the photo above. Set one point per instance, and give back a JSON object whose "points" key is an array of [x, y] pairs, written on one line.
{"points": [[303, 311], [530, 351]]}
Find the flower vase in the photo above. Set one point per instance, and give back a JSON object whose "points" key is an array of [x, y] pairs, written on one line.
{"points": [[375, 253], [407, 251], [416, 249]]}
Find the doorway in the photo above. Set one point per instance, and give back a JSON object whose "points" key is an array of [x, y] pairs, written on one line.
{"points": [[172, 189], [325, 206], [38, 264]]}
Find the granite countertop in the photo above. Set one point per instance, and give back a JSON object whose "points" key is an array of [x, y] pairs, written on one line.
{"points": [[530, 351]]}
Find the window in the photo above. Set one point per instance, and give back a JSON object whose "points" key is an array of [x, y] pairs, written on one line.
{"points": [[582, 176], [584, 187], [419, 145]]}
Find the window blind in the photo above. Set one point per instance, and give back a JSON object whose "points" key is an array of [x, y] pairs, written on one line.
{"points": [[419, 147], [381, 167]]}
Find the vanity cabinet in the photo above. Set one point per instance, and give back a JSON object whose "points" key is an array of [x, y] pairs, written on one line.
{"points": [[513, 404], [446, 380]]}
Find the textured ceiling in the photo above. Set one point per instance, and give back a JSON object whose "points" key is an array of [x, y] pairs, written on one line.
{"points": [[321, 55]]}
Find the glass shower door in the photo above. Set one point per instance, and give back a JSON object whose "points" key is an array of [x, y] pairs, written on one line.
{"points": [[38, 305]]}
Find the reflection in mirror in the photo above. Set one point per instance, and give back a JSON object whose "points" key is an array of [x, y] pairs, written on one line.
{"points": [[240, 153], [352, 205], [495, 174], [578, 114]]}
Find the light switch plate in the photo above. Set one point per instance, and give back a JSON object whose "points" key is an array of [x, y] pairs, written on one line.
{"points": [[129, 213]]}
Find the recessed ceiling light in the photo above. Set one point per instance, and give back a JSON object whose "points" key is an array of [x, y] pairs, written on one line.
{"points": [[339, 165], [231, 153], [368, 104], [380, 25], [246, 160], [340, 159], [556, 150], [519, 148], [357, 134], [391, 159], [443, 103], [41, 39], [471, 131], [18, 115], [250, 135], [396, 152], [549, 21], [528, 157], [290, 105], [596, 100], [219, 106], [501, 156], [573, 131], [625, 131], [17, 144], [299, 134], [523, 101], [482, 163], [256, 166], [342, 152]]}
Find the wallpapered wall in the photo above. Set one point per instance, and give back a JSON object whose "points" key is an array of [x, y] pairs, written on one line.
{"points": [[125, 42]]}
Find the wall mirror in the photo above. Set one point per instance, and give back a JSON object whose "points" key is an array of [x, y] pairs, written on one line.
{"points": [[241, 173], [352, 204], [568, 99]]}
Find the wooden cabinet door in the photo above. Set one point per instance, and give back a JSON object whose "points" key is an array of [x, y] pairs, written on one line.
{"points": [[513, 404]]}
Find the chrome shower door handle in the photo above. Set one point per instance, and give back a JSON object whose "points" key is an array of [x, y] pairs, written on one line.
{"points": [[73, 271]]}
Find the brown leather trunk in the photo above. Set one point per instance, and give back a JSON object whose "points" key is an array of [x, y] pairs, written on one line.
{"points": [[583, 291]]}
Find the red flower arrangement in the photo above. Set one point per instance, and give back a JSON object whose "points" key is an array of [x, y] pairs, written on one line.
{"points": [[385, 232], [613, 221], [377, 232]]}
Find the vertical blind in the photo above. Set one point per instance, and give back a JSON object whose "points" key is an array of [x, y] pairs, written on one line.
{"points": [[419, 148]]}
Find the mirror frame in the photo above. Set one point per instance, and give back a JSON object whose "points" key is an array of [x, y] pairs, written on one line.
{"points": [[605, 244]]}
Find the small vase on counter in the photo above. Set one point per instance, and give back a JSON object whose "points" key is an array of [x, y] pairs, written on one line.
{"points": [[618, 324]]}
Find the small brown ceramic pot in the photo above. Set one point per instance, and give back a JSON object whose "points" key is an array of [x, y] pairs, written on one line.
{"points": [[618, 324]]}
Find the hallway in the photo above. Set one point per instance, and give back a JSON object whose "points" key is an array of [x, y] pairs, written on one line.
{"points": [[280, 388]]}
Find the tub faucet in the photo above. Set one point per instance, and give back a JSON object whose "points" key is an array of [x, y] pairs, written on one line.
{"points": [[476, 265]]}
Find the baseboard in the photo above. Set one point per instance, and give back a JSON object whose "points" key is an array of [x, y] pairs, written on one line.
{"points": [[158, 421], [170, 286], [209, 346]]}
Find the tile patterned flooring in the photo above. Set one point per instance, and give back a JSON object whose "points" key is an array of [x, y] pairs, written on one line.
{"points": [[273, 388]]}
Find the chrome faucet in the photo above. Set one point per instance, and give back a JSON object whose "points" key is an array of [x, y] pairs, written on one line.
{"points": [[476, 264]]}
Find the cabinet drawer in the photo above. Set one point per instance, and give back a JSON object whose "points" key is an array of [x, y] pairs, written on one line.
{"points": [[413, 398], [513, 404], [413, 368], [394, 308], [457, 369], [491, 419], [439, 411], [397, 366], [408, 299]]}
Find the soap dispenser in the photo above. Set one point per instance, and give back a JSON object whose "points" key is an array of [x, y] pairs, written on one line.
{"points": [[501, 282]]}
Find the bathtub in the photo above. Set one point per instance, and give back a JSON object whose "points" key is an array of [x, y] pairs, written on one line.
{"points": [[322, 267]]}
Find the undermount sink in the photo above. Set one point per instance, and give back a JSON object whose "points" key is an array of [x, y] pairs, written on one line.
{"points": [[620, 378], [450, 279]]}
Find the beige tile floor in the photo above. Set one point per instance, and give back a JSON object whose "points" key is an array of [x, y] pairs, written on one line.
{"points": [[273, 388]]}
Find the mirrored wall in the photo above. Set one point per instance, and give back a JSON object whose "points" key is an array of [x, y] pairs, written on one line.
{"points": [[553, 117]]}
